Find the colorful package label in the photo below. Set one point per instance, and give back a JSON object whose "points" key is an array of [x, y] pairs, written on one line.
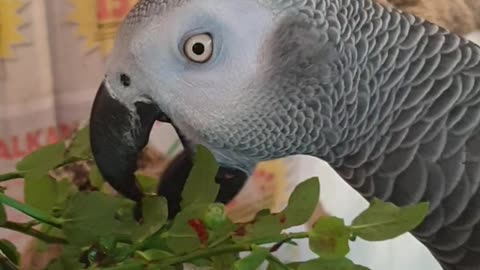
{"points": [[10, 22], [99, 20]]}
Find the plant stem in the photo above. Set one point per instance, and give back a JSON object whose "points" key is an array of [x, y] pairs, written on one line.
{"points": [[32, 212], [241, 247], [5, 262], [10, 176], [26, 229]]}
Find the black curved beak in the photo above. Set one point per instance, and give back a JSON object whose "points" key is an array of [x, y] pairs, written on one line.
{"points": [[117, 137]]}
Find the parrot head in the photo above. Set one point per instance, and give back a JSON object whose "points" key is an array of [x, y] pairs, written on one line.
{"points": [[207, 68]]}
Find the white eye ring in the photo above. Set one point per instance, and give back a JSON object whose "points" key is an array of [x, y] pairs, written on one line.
{"points": [[199, 48]]}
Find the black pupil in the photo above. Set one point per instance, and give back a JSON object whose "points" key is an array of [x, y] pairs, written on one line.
{"points": [[125, 79], [198, 48]]}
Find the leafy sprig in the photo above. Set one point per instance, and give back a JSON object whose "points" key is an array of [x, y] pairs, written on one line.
{"points": [[98, 229]]}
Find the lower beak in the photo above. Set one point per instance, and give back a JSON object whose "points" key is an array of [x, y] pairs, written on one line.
{"points": [[117, 137]]}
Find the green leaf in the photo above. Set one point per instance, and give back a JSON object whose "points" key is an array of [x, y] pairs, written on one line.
{"points": [[253, 261], [44, 159], [200, 186], [3, 215], [325, 264], [96, 179], [40, 191], [182, 237], [155, 215], [91, 216], [383, 221], [148, 184], [302, 203], [265, 225], [80, 146], [65, 189], [329, 238], [9, 249]]}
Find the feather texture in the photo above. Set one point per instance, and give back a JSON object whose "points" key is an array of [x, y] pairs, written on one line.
{"points": [[390, 101], [415, 133]]}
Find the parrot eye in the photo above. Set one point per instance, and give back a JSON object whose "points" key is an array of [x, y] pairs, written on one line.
{"points": [[199, 48]]}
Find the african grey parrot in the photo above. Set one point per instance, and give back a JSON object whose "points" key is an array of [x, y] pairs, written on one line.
{"points": [[390, 101]]}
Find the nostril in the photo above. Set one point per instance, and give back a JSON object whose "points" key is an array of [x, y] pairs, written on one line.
{"points": [[125, 79]]}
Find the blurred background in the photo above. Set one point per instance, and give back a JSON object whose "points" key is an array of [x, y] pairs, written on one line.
{"points": [[52, 58]]}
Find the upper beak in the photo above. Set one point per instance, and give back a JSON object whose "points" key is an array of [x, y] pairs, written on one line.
{"points": [[117, 136]]}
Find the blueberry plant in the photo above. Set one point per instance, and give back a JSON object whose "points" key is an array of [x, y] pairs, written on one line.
{"points": [[98, 230]]}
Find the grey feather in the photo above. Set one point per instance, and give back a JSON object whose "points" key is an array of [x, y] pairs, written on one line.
{"points": [[397, 103]]}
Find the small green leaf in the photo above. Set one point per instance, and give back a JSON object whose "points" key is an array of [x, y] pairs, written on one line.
{"points": [[44, 159], [96, 179], [200, 186], [265, 225], [80, 146], [148, 184], [325, 264], [383, 221], [182, 237], [329, 238], [91, 216], [155, 215], [40, 191], [302, 203], [9, 249], [3, 215], [253, 261], [215, 217]]}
